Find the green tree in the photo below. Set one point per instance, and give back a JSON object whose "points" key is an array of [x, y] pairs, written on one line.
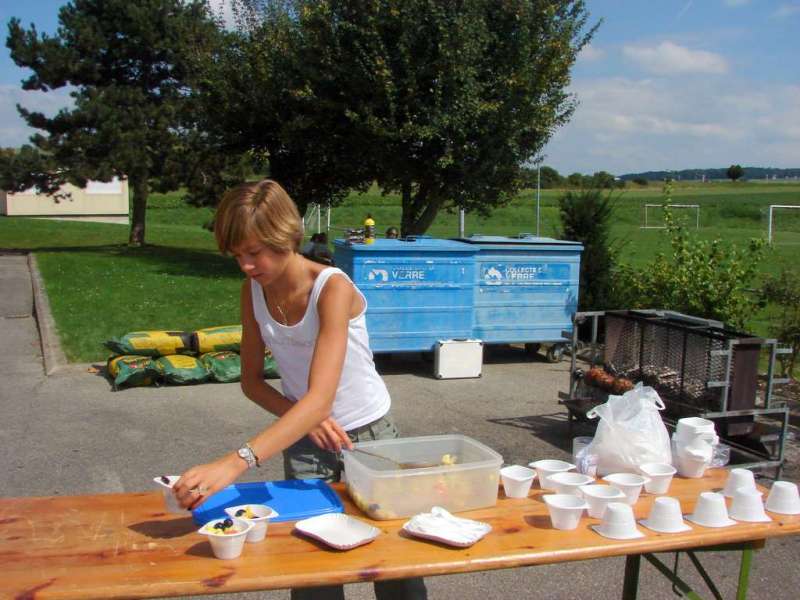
{"points": [[586, 218], [576, 180], [734, 172], [550, 177], [131, 65], [443, 102], [603, 180]]}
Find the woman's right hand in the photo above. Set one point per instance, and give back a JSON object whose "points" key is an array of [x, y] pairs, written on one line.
{"points": [[330, 436]]}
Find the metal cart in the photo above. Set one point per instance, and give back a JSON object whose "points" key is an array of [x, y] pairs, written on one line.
{"points": [[699, 368]]}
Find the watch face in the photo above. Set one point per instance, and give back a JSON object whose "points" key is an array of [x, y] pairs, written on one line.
{"points": [[243, 453]]}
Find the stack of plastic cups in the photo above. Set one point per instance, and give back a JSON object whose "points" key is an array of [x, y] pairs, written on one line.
{"points": [[693, 446]]}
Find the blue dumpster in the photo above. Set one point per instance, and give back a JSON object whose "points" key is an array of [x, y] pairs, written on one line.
{"points": [[526, 288], [419, 290]]}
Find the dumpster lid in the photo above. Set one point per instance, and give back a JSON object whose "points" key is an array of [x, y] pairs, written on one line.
{"points": [[408, 244], [523, 239]]}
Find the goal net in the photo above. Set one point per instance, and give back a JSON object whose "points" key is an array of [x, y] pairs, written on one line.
{"points": [[783, 228], [685, 214]]}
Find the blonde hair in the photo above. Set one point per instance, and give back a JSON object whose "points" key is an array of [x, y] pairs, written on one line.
{"points": [[261, 209]]}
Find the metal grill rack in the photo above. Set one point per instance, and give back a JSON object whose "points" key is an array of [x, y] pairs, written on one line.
{"points": [[699, 368]]}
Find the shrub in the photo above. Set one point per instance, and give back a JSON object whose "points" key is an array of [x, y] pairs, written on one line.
{"points": [[784, 291], [586, 218], [702, 278]]}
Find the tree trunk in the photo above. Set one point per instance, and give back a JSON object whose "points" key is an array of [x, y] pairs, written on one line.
{"points": [[140, 191], [419, 210]]}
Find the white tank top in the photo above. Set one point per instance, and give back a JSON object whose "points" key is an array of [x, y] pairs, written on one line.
{"points": [[362, 396]]}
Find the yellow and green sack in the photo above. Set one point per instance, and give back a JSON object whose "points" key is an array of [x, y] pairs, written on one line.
{"points": [[212, 339], [224, 366], [132, 371], [152, 343], [181, 370]]}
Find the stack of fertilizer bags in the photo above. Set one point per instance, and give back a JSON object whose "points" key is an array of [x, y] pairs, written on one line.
{"points": [[179, 357]]}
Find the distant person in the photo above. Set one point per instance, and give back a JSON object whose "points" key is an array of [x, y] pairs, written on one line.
{"points": [[392, 233], [316, 249]]}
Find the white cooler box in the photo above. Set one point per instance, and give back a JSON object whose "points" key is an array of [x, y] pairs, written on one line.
{"points": [[455, 359]]}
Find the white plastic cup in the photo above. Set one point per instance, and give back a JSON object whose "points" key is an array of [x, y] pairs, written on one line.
{"points": [[660, 475], [618, 523], [517, 480], [784, 498], [545, 468], [568, 482], [738, 478], [226, 546], [262, 515], [629, 484], [690, 466], [170, 500], [565, 510], [665, 516], [748, 506], [689, 428], [598, 497], [711, 511]]}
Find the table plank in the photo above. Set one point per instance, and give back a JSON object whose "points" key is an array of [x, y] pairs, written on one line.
{"points": [[126, 546]]}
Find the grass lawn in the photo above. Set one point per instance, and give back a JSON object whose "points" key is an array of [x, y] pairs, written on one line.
{"points": [[99, 288]]}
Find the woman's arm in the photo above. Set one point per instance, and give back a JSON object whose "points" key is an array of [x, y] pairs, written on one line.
{"points": [[306, 415]]}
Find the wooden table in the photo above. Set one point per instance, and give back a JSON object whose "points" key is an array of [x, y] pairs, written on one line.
{"points": [[125, 546]]}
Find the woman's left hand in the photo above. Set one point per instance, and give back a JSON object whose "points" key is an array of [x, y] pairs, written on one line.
{"points": [[330, 436], [200, 482]]}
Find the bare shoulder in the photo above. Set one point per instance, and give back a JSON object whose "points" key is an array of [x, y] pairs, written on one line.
{"points": [[338, 287]]}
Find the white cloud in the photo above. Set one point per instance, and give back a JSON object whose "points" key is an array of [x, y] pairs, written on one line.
{"points": [[13, 129], [668, 58], [785, 11], [625, 125], [591, 53]]}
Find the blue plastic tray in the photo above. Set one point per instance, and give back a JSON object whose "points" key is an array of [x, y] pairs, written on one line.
{"points": [[293, 500]]}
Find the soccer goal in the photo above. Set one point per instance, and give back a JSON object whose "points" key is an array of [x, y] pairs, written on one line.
{"points": [[784, 224], [653, 214]]}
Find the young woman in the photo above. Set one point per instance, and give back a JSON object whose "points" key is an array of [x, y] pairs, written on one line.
{"points": [[312, 317]]}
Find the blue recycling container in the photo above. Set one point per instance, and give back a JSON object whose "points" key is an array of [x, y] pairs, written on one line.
{"points": [[419, 290], [526, 288]]}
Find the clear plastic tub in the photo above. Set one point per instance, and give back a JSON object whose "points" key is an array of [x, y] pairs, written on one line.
{"points": [[384, 491]]}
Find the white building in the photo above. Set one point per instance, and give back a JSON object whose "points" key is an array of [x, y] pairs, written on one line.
{"points": [[98, 201]]}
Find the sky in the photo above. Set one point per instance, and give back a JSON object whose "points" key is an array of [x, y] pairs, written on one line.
{"points": [[663, 85]]}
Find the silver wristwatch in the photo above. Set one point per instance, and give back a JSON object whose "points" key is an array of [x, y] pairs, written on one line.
{"points": [[247, 455]]}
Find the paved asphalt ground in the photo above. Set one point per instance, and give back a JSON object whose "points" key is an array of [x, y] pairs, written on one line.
{"points": [[69, 433]]}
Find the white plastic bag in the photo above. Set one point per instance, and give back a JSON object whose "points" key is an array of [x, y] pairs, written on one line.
{"points": [[630, 432]]}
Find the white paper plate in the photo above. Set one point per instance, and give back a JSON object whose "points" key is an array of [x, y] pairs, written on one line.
{"points": [[440, 526], [338, 530]]}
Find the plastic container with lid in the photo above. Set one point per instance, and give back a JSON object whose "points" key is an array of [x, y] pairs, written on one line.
{"points": [[384, 491]]}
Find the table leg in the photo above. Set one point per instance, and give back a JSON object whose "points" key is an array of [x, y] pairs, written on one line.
{"points": [[630, 586], [744, 573]]}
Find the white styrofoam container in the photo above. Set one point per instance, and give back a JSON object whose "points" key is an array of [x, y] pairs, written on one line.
{"points": [[383, 491], [456, 359]]}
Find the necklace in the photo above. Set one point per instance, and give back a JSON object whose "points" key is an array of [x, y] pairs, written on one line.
{"points": [[283, 314]]}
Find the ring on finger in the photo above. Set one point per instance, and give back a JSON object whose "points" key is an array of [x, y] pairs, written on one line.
{"points": [[199, 489]]}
